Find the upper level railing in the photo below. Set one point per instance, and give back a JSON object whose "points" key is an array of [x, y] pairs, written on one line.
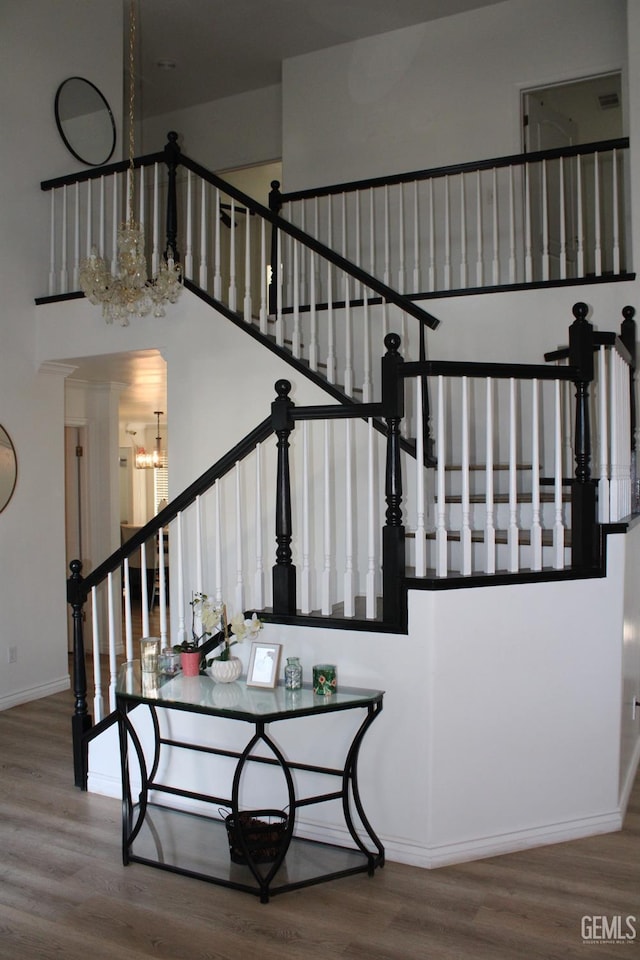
{"points": [[554, 215], [229, 245]]}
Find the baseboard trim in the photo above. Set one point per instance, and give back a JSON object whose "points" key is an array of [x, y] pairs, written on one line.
{"points": [[35, 693], [401, 851]]}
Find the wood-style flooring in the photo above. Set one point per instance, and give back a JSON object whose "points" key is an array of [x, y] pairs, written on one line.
{"points": [[64, 894]]}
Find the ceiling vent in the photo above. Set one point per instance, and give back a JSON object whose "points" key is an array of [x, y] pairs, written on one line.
{"points": [[608, 101]]}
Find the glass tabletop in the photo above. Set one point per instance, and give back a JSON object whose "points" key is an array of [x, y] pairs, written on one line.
{"points": [[204, 695]]}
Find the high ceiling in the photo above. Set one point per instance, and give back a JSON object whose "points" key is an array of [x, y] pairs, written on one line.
{"points": [[224, 47], [220, 48]]}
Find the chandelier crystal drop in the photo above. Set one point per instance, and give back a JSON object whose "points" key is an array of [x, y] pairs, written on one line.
{"points": [[127, 292]]}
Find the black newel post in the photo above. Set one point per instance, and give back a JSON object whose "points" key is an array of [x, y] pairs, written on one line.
{"points": [[393, 533], [81, 721], [275, 205], [172, 159], [584, 544], [284, 572], [628, 337]]}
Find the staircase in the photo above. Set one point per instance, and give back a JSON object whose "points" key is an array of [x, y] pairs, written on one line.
{"points": [[475, 480]]}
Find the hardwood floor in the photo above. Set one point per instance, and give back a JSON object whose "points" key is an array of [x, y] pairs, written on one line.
{"points": [[64, 893]]}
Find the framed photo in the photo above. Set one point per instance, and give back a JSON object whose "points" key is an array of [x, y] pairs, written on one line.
{"points": [[264, 664]]}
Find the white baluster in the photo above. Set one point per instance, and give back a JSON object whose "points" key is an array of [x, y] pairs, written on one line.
{"points": [[141, 217], [563, 229], [188, 250], [528, 250], [416, 239], [603, 434], [489, 528], [263, 277], [496, 235], [441, 511], [296, 340], [615, 200], [465, 527], [155, 227], [327, 544], [432, 240], [101, 243], [162, 590], [64, 276], [463, 234], [305, 577], [199, 556], [144, 587], [279, 281], [479, 233], [367, 384], [371, 598], [52, 244], [545, 223], [420, 537], [558, 525], [358, 239], [348, 339], [217, 253], [513, 533], [98, 701], [218, 547], [597, 238], [113, 667], [179, 564], [239, 599], [76, 238], [331, 334], [302, 280], [579, 220], [447, 235], [349, 575], [233, 290], [387, 238], [614, 420], [114, 225], [128, 630], [536, 529], [372, 234], [402, 280], [313, 314], [258, 601], [512, 230]]}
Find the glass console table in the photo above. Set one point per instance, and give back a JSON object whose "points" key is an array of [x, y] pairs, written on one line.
{"points": [[198, 845]]}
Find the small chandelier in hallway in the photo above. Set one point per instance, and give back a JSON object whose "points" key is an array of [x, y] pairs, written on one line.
{"points": [[127, 292], [157, 457]]}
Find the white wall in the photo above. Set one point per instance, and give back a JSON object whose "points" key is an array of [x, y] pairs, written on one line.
{"points": [[230, 132], [442, 93], [41, 44], [500, 728]]}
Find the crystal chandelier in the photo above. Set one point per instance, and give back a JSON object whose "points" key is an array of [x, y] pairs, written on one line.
{"points": [[128, 293]]}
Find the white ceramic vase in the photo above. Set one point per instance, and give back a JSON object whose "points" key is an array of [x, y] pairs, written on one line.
{"points": [[226, 671]]}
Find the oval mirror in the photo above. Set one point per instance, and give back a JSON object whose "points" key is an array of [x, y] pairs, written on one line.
{"points": [[85, 121], [8, 468]]}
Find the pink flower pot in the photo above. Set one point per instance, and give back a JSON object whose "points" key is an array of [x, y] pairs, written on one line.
{"points": [[190, 663]]}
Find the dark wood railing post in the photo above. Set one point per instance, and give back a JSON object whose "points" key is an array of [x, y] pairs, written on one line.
{"points": [[284, 572], [81, 720], [584, 543], [628, 337], [172, 159], [393, 533], [275, 205]]}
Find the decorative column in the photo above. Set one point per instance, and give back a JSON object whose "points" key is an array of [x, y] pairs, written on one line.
{"points": [[393, 532], [81, 721], [284, 572], [584, 543]]}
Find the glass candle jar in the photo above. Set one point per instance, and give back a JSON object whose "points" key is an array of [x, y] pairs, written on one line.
{"points": [[149, 651], [325, 679], [293, 674]]}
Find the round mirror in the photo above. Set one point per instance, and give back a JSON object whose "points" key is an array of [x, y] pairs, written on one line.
{"points": [[85, 121], [8, 468]]}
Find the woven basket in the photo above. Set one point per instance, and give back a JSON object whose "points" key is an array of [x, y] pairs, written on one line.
{"points": [[263, 831]]}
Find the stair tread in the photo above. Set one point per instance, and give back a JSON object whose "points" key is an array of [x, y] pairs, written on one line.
{"points": [[501, 536], [504, 497]]}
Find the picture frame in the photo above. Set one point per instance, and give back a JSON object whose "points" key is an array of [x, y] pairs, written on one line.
{"points": [[264, 664]]}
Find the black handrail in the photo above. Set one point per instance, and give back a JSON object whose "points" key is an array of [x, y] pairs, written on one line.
{"points": [[516, 159]]}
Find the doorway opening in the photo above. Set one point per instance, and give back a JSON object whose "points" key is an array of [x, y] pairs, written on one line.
{"points": [[567, 114]]}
